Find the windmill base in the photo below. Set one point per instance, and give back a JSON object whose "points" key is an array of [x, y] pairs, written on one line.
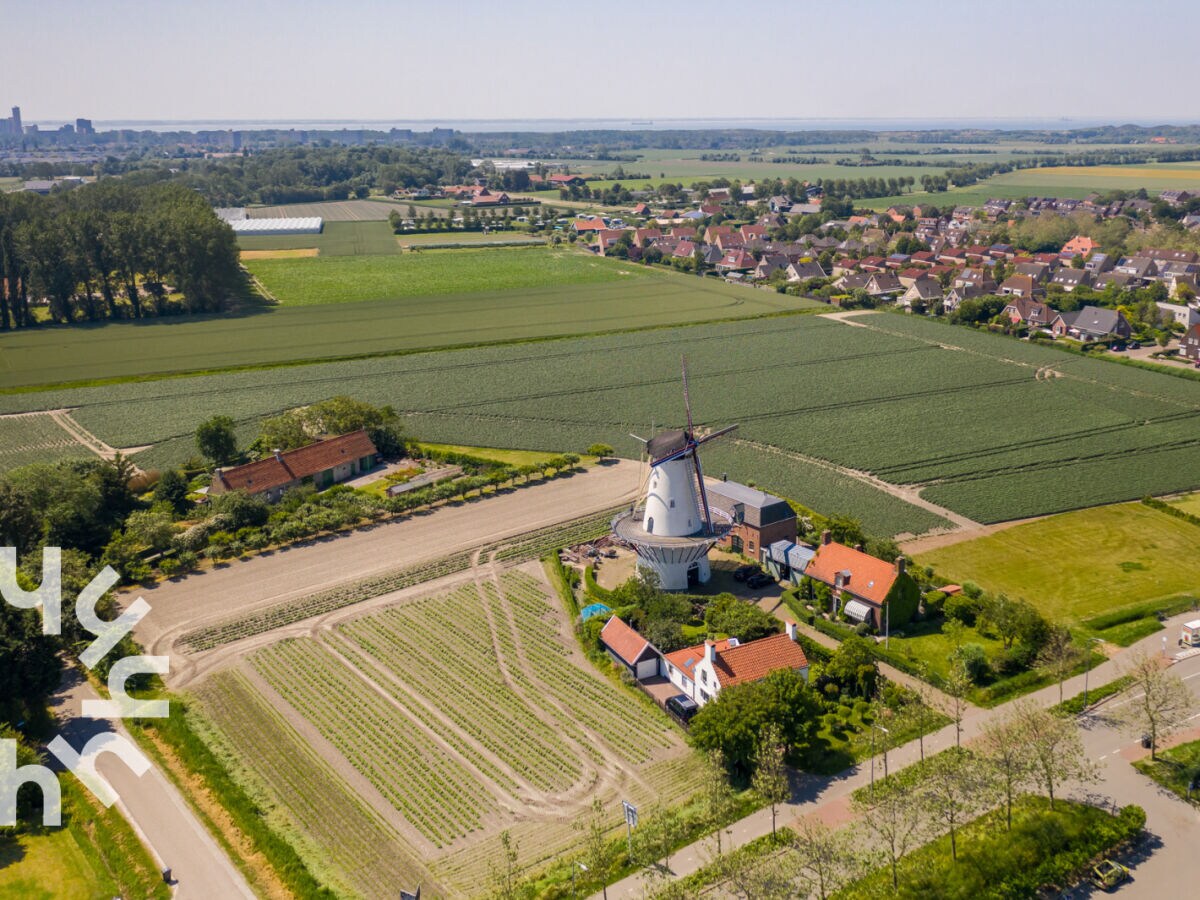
{"points": [[675, 576]]}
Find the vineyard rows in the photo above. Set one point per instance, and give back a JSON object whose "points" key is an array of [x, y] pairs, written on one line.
{"points": [[326, 601], [365, 854], [434, 792], [428, 647], [536, 544]]}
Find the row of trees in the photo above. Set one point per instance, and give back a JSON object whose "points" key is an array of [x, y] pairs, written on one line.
{"points": [[112, 250]]}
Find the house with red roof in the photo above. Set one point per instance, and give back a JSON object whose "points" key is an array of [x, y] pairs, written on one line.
{"points": [[703, 671], [1080, 245], [862, 587], [630, 649], [566, 180], [737, 261], [321, 464]]}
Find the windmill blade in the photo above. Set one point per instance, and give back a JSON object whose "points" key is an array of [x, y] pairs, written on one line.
{"points": [[687, 400], [703, 492], [714, 435], [642, 439]]}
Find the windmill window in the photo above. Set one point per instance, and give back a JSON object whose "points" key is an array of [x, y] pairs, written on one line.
{"points": [[672, 504], [650, 525]]}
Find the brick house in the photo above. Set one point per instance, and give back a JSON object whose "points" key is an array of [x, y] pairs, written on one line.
{"points": [[1189, 344], [864, 588], [321, 464], [703, 671], [759, 519]]}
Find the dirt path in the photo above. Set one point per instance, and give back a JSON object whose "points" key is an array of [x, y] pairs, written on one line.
{"points": [[63, 418], [937, 540]]}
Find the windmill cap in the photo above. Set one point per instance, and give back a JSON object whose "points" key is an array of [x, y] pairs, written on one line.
{"points": [[666, 442]]}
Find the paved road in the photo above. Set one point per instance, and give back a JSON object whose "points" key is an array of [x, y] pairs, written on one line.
{"points": [[152, 804], [1174, 827]]}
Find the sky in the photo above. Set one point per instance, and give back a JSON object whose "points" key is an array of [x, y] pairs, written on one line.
{"points": [[522, 59]]}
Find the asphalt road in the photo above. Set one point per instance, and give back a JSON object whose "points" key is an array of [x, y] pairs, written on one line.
{"points": [[1163, 869], [153, 806]]}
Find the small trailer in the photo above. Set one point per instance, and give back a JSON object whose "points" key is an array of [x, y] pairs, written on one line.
{"points": [[1190, 635]]}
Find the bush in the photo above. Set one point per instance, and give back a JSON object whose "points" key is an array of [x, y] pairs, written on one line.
{"points": [[962, 608], [862, 629], [974, 661], [934, 602]]}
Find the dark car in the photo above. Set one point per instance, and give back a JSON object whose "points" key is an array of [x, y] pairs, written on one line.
{"points": [[1118, 348], [741, 573], [762, 579], [682, 707], [1135, 345]]}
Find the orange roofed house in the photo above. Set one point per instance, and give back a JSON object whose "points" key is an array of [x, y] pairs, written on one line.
{"points": [[705, 670], [628, 647], [864, 588], [321, 464]]}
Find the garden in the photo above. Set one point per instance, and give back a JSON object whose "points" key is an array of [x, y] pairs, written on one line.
{"points": [[1176, 769]]}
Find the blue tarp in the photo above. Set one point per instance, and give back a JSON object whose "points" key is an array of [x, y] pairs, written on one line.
{"points": [[593, 610]]}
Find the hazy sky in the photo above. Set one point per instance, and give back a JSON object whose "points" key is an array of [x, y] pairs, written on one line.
{"points": [[270, 59]]}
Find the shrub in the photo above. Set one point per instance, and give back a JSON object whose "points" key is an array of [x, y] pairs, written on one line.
{"points": [[862, 629], [962, 608], [972, 590], [168, 566], [974, 662], [934, 602]]}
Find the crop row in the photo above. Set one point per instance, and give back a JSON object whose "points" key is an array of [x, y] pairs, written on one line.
{"points": [[322, 602], [424, 645], [535, 544], [439, 797], [365, 852]]}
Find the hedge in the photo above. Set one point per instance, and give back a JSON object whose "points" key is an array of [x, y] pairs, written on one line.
{"points": [[1075, 705]]}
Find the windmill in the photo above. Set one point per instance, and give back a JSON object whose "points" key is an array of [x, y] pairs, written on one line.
{"points": [[673, 529]]}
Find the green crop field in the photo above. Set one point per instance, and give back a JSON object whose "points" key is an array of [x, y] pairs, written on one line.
{"points": [[315, 280], [1083, 563], [274, 334], [37, 438], [336, 239], [461, 732], [346, 843], [989, 427]]}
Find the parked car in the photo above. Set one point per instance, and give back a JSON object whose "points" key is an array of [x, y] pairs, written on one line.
{"points": [[1118, 348], [762, 579], [1109, 874], [683, 707], [741, 573], [1135, 345]]}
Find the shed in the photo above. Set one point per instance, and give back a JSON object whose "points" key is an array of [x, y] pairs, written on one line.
{"points": [[787, 560], [629, 648]]}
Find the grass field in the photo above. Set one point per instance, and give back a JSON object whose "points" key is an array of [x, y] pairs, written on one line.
{"points": [[330, 210], [1083, 563], [507, 457], [1174, 768], [305, 282], [419, 239], [1189, 503], [279, 334], [336, 239], [440, 736]]}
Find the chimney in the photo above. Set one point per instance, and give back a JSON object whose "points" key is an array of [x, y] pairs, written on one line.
{"points": [[900, 565], [278, 455], [791, 631], [826, 537], [710, 651]]}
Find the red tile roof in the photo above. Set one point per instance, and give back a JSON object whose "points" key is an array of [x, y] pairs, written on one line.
{"points": [[758, 659], [869, 578], [685, 660], [294, 465], [623, 640]]}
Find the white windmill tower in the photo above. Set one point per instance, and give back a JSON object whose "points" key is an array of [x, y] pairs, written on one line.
{"points": [[672, 531]]}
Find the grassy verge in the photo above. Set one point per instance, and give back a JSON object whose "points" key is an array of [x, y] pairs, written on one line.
{"points": [[1127, 626], [230, 815], [1046, 847], [1075, 705], [1174, 769]]}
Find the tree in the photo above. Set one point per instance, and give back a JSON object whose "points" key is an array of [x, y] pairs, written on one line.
{"points": [[955, 686], [919, 712], [1160, 703], [853, 667], [718, 795], [598, 851], [216, 439], [1059, 655], [893, 814], [955, 786], [1002, 747], [770, 779], [172, 490], [600, 451], [825, 859], [506, 876], [1055, 750]]}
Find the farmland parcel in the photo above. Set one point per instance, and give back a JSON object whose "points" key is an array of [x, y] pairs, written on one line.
{"points": [[988, 427], [434, 724]]}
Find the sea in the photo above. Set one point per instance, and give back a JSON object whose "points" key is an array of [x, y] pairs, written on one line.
{"points": [[551, 125]]}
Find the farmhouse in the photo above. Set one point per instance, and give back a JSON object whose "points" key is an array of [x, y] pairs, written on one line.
{"points": [[864, 588], [1189, 344], [705, 670], [630, 649], [321, 464], [759, 519]]}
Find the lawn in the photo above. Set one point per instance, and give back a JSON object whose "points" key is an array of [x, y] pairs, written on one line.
{"points": [[51, 865], [307, 282], [507, 457], [1175, 768], [405, 322], [1189, 504], [1080, 564], [421, 240]]}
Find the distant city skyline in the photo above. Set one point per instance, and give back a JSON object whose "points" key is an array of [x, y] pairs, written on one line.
{"points": [[537, 59]]}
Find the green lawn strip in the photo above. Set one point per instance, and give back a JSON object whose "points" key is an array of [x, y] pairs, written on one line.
{"points": [[336, 239], [494, 454], [1174, 769], [1075, 705], [1046, 847], [248, 818], [715, 872]]}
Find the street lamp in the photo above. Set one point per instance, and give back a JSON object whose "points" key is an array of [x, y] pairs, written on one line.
{"points": [[584, 869], [885, 770]]}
